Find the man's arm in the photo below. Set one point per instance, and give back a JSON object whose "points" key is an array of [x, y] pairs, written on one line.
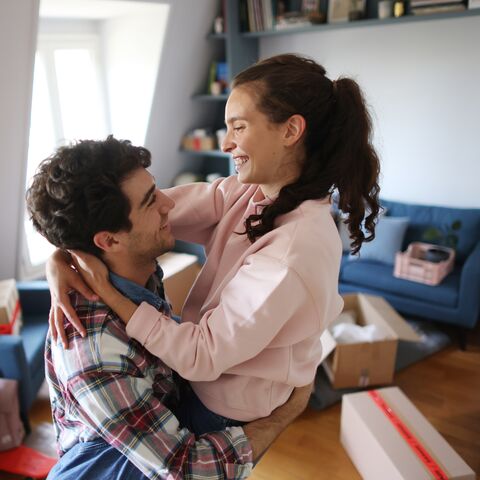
{"points": [[263, 432]]}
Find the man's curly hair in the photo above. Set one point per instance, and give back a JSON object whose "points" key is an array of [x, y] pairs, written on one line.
{"points": [[76, 192]]}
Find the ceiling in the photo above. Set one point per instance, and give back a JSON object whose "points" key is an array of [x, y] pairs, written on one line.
{"points": [[92, 9]]}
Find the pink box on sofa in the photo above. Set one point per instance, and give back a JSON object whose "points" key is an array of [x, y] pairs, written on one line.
{"points": [[410, 264]]}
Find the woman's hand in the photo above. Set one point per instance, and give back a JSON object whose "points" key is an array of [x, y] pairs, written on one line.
{"points": [[62, 279], [95, 273]]}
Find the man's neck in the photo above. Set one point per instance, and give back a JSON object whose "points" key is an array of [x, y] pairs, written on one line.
{"points": [[136, 272]]}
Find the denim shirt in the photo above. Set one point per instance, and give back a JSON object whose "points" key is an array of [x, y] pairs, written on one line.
{"points": [[153, 293]]}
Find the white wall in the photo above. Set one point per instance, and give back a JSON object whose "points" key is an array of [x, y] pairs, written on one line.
{"points": [[422, 81], [183, 71], [132, 50], [18, 32]]}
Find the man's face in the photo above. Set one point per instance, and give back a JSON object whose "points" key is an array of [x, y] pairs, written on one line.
{"points": [[150, 235]]}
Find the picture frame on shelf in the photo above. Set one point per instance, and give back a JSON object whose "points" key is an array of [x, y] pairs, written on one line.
{"points": [[338, 11]]}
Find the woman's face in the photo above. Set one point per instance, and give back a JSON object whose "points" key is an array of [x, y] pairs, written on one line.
{"points": [[260, 149]]}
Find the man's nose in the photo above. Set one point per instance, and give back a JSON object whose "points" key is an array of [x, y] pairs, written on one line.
{"points": [[165, 203]]}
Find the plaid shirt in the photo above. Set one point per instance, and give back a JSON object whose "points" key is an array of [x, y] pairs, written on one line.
{"points": [[107, 385]]}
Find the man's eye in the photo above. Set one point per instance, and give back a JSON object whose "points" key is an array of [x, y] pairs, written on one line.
{"points": [[236, 129], [152, 200]]}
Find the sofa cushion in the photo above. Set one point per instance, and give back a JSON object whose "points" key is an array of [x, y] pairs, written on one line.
{"points": [[379, 276], [389, 234], [34, 332], [424, 216]]}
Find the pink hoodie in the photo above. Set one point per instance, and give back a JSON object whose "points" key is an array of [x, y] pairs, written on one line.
{"points": [[251, 325]]}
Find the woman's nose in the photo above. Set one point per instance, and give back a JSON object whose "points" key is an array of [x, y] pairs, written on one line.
{"points": [[227, 144]]}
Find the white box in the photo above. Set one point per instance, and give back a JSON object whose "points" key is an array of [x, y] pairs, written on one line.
{"points": [[179, 272], [380, 452], [362, 364]]}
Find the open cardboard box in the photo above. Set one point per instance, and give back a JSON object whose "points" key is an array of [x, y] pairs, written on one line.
{"points": [[386, 437], [179, 272], [352, 365]]}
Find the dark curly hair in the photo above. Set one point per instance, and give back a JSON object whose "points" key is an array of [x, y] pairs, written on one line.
{"points": [[338, 151], [76, 192]]}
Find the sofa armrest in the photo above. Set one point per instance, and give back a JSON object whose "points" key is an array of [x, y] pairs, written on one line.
{"points": [[13, 365], [34, 297], [469, 302]]}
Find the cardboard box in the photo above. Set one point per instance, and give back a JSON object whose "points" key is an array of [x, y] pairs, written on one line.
{"points": [[10, 309], [180, 271], [366, 363], [386, 437]]}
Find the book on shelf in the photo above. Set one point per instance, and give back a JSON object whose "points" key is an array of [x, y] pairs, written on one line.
{"points": [[430, 3], [265, 15], [430, 10]]}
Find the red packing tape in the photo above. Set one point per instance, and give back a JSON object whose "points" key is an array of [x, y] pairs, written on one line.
{"points": [[412, 441]]}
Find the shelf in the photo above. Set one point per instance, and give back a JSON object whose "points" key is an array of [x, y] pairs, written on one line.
{"points": [[217, 36], [369, 22], [205, 97], [207, 153]]}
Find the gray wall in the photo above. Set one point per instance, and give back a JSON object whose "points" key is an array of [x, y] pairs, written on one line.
{"points": [[422, 81], [18, 32]]}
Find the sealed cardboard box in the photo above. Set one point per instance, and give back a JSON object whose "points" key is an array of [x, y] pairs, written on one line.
{"points": [[180, 271], [350, 365], [10, 309], [386, 437]]}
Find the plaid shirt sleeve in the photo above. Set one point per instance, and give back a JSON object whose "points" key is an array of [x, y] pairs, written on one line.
{"points": [[116, 398]]}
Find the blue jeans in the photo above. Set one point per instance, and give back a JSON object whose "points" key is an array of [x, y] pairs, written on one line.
{"points": [[195, 416], [95, 460]]}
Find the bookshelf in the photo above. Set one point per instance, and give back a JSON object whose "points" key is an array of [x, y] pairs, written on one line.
{"points": [[241, 49], [240, 52], [367, 22]]}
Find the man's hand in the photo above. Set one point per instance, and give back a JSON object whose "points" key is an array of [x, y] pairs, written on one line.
{"points": [[62, 278], [263, 432]]}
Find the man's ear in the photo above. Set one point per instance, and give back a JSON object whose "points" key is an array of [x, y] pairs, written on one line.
{"points": [[106, 241], [294, 129]]}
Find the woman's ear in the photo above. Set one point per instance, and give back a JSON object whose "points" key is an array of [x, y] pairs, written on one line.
{"points": [[105, 241], [295, 128]]}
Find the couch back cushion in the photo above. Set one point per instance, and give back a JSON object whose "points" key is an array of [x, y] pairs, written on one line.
{"points": [[425, 216]]}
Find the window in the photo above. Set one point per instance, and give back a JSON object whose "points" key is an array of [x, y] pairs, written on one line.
{"points": [[67, 105]]}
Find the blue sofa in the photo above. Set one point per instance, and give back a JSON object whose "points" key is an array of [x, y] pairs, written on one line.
{"points": [[456, 300], [22, 356]]}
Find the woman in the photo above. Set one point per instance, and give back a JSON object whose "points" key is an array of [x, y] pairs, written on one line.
{"points": [[252, 323]]}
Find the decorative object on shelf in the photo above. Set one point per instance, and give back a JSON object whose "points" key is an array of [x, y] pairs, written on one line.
{"points": [[220, 136], [357, 10], [399, 8], [218, 78], [211, 177], [187, 177], [416, 265], [385, 9], [200, 139], [218, 25], [338, 11], [445, 236]]}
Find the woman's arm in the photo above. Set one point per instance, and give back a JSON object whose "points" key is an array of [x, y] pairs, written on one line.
{"points": [[200, 206], [62, 278], [254, 306]]}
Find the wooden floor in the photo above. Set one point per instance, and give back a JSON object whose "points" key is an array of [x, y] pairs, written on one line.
{"points": [[444, 387]]}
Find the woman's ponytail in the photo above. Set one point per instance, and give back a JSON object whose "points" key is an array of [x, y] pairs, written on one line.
{"points": [[339, 154]]}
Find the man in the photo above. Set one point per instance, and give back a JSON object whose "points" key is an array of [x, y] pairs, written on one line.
{"points": [[108, 393]]}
